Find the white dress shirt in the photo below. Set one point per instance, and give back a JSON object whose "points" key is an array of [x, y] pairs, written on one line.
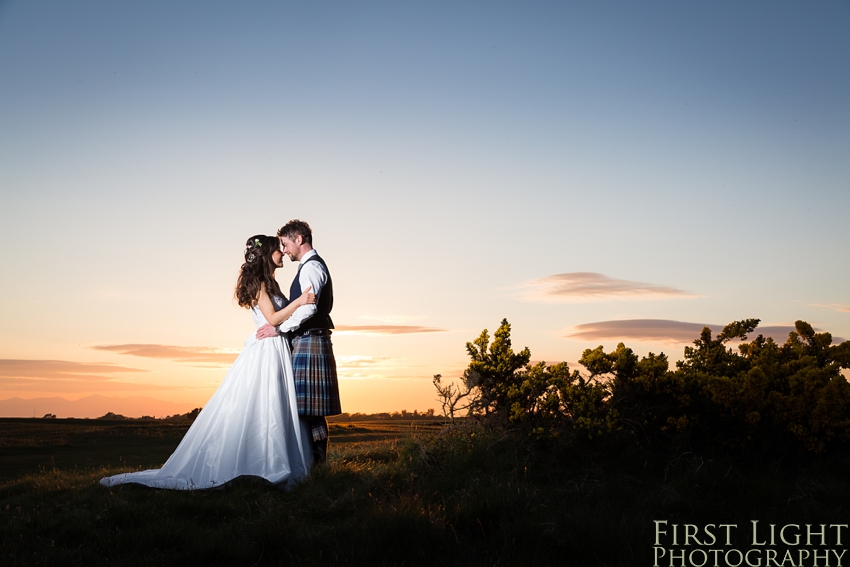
{"points": [[312, 274]]}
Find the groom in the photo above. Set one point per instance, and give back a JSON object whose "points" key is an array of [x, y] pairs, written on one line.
{"points": [[309, 331]]}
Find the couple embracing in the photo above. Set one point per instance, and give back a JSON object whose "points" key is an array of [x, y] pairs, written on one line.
{"points": [[267, 419]]}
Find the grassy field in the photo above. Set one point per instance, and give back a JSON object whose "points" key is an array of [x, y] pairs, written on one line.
{"points": [[34, 445], [392, 493]]}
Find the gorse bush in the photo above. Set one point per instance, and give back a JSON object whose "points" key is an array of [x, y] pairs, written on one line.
{"points": [[761, 395], [502, 387]]}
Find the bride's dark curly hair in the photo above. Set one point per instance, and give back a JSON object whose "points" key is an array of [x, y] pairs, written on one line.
{"points": [[258, 269]]}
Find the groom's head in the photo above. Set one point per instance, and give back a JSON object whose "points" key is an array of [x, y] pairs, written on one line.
{"points": [[296, 239]]}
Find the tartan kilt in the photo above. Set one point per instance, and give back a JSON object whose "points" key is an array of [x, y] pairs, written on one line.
{"points": [[314, 369]]}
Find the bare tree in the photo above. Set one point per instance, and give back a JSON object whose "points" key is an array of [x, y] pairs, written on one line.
{"points": [[451, 394]]}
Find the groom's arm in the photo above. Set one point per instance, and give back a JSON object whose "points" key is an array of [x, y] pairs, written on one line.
{"points": [[312, 274]]}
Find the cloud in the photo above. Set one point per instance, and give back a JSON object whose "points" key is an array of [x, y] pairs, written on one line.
{"points": [[393, 319], [364, 367], [664, 331], [76, 386], [833, 306], [654, 330], [359, 361], [387, 329], [203, 356], [590, 286], [60, 369], [66, 376], [360, 367]]}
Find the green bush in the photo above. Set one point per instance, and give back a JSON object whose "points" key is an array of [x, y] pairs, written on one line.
{"points": [[763, 395]]}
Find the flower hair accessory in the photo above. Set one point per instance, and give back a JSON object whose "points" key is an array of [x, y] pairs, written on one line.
{"points": [[250, 255]]}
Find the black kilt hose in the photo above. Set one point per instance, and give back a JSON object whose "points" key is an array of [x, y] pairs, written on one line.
{"points": [[316, 384]]}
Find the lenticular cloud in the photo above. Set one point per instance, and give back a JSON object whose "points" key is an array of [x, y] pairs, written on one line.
{"points": [[589, 286]]}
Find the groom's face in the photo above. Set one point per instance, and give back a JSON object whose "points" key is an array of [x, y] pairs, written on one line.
{"points": [[291, 247]]}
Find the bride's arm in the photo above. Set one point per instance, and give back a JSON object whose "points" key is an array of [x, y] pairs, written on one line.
{"points": [[275, 318]]}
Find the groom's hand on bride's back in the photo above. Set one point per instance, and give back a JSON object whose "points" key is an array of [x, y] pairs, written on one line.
{"points": [[266, 331]]}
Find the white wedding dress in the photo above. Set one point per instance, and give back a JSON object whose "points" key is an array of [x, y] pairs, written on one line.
{"points": [[249, 427]]}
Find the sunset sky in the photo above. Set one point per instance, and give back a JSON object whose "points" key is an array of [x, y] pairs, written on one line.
{"points": [[594, 172]]}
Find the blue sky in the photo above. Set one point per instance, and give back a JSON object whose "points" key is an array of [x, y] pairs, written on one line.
{"points": [[447, 154]]}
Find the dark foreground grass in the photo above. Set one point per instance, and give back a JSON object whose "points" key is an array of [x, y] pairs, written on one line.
{"points": [[461, 497]]}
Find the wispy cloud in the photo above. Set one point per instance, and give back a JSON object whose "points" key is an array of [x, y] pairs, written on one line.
{"points": [[663, 331], [590, 286], [60, 369], [66, 376], [360, 367], [206, 356], [833, 306], [391, 319], [360, 361], [387, 329]]}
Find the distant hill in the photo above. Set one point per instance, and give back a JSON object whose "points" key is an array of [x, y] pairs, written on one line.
{"points": [[91, 406]]}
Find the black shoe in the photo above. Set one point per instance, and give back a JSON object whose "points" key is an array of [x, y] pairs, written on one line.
{"points": [[320, 451]]}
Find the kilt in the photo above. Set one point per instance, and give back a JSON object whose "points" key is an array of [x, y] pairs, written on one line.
{"points": [[314, 369]]}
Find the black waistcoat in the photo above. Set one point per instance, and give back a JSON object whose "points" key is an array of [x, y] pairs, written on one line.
{"points": [[322, 318]]}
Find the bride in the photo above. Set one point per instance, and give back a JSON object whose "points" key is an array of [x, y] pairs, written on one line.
{"points": [[250, 426]]}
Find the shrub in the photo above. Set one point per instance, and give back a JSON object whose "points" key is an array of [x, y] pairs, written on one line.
{"points": [[764, 395]]}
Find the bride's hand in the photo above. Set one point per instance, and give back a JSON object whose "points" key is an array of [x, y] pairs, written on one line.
{"points": [[307, 296]]}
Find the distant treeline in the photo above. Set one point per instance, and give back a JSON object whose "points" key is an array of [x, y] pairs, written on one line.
{"points": [[189, 416], [403, 415]]}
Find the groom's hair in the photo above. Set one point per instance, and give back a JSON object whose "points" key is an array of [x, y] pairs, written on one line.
{"points": [[299, 227]]}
